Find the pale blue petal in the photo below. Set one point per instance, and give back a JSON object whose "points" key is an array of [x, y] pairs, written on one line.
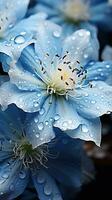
{"points": [[49, 42], [13, 179], [82, 46], [46, 186], [20, 36], [26, 100], [93, 101], [10, 13], [89, 131], [101, 71], [107, 53], [40, 125], [66, 116], [24, 79]]}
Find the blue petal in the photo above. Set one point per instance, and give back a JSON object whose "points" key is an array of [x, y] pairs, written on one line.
{"points": [[20, 36], [101, 15], [99, 71], [66, 166], [82, 46], [11, 123], [49, 42], [24, 79], [26, 100], [46, 186], [94, 102], [89, 131], [40, 125], [10, 13], [107, 53], [13, 179], [66, 116]]}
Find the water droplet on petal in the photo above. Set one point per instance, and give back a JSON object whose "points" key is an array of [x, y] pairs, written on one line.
{"points": [[47, 189], [37, 135], [19, 39], [84, 128], [36, 104], [93, 102], [57, 33], [22, 174], [40, 126], [41, 178], [57, 117], [11, 187], [42, 111], [36, 119]]}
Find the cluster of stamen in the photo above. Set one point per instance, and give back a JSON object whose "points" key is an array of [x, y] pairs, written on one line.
{"points": [[63, 75], [29, 156]]}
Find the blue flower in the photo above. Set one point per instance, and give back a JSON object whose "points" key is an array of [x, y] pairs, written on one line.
{"points": [[75, 14], [59, 161], [62, 84], [15, 32]]}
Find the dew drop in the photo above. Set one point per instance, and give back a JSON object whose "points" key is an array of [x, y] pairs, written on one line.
{"points": [[22, 174], [36, 104], [36, 119], [57, 33], [19, 39], [40, 178], [57, 117], [11, 187], [40, 126], [93, 102], [47, 189], [84, 128], [42, 111], [37, 135]]}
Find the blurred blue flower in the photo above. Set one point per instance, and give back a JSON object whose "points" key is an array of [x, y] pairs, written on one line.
{"points": [[62, 84], [15, 32], [75, 14], [57, 162]]}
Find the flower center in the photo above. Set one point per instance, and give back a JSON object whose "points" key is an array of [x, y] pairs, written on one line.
{"points": [[29, 156], [65, 77], [76, 10]]}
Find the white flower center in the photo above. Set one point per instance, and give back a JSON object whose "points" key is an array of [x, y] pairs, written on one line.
{"points": [[65, 77], [76, 10]]}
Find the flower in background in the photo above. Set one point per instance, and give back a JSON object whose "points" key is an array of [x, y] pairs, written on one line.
{"points": [[107, 55], [75, 14], [57, 162], [16, 31], [62, 84]]}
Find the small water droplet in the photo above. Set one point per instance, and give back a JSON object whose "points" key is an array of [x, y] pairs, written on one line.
{"points": [[57, 33], [85, 55], [41, 178], [36, 104], [19, 39], [40, 126], [93, 102], [47, 189], [22, 174], [84, 128], [42, 111], [11, 187], [57, 117], [1, 193], [107, 66], [36, 119], [37, 135]]}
